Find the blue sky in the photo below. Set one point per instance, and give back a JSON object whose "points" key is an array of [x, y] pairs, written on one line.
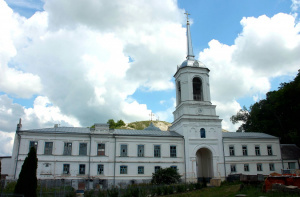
{"points": [[75, 63]]}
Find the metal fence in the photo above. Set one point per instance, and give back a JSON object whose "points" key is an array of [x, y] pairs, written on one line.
{"points": [[91, 188]]}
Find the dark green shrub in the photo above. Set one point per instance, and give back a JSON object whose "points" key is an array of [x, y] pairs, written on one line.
{"points": [[180, 188], [197, 185], [113, 192], [191, 186], [10, 187], [165, 190], [166, 176], [27, 182], [102, 193], [170, 189], [89, 193], [159, 190]]}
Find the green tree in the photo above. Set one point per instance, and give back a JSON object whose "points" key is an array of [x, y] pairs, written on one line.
{"points": [[276, 115], [114, 125], [166, 176], [111, 123], [27, 182], [120, 123]]}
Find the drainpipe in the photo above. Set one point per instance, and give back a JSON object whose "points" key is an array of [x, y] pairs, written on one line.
{"points": [[115, 160], [90, 157], [19, 138], [281, 156], [224, 157], [184, 158]]}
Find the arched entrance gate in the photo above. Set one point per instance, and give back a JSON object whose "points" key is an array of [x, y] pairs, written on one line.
{"points": [[204, 165]]}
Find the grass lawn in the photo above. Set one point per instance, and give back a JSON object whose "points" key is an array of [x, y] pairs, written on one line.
{"points": [[223, 191], [231, 191]]}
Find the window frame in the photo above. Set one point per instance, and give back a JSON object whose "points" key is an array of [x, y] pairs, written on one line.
{"points": [[156, 168], [246, 167], [291, 165], [269, 150], [33, 144], [101, 149], [231, 150], [66, 168], [81, 166], [271, 167], [257, 150], [141, 150], [125, 152], [202, 133], [259, 167], [82, 151], [48, 150], [67, 148], [123, 169], [173, 151], [100, 169], [157, 151], [174, 167], [245, 150], [232, 167], [141, 170], [197, 89]]}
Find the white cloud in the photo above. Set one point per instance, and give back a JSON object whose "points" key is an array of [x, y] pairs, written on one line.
{"points": [[295, 5], [79, 58], [266, 48], [6, 141], [13, 80]]}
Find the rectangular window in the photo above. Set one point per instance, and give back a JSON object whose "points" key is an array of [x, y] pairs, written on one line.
{"points": [[269, 148], [140, 169], [173, 151], [245, 152], [123, 169], [68, 148], [259, 167], [83, 149], [272, 167], [140, 150], [48, 148], [292, 165], [231, 150], [156, 168], [101, 150], [233, 168], [246, 167], [156, 150], [257, 150], [33, 144], [123, 150], [81, 168], [66, 169], [100, 169], [174, 167]]}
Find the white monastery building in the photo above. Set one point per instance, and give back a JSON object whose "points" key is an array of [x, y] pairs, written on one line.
{"points": [[194, 145]]}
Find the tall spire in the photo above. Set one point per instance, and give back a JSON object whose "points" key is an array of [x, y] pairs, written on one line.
{"points": [[190, 54]]}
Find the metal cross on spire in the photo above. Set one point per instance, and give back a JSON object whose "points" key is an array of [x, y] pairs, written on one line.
{"points": [[187, 16], [190, 53]]}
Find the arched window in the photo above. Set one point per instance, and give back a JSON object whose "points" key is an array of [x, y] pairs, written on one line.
{"points": [[179, 92], [202, 133], [197, 89]]}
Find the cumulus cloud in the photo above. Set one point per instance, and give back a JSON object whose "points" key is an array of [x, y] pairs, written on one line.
{"points": [[79, 58], [11, 78], [266, 48]]}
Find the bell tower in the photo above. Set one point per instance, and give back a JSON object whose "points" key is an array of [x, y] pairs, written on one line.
{"points": [[195, 117]]}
